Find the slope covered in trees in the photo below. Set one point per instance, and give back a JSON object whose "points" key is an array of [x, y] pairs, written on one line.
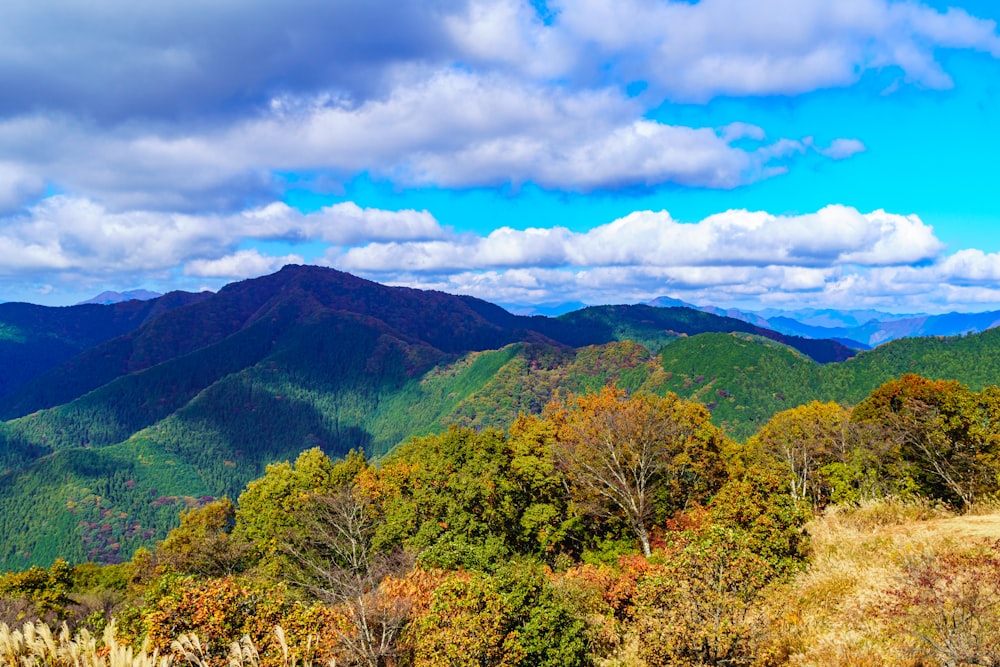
{"points": [[611, 529], [194, 402], [34, 339], [745, 380]]}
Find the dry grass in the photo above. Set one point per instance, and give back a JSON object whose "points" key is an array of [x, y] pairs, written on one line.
{"points": [[835, 613], [36, 645]]}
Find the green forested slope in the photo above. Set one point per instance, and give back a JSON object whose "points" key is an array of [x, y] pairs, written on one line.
{"points": [[34, 339], [193, 403], [745, 380]]}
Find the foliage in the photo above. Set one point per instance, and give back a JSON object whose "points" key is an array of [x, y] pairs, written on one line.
{"points": [[639, 458], [513, 618], [944, 435], [272, 508], [771, 519], [470, 499], [806, 440], [950, 603], [47, 589], [202, 544]]}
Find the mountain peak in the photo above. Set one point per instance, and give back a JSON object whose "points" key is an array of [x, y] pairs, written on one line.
{"points": [[108, 297]]}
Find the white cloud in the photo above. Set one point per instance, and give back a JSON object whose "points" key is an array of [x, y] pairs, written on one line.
{"points": [[841, 149], [835, 235], [696, 51], [242, 264], [82, 237], [837, 257], [175, 114], [448, 129], [971, 267]]}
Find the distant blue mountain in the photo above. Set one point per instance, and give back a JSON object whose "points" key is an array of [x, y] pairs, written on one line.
{"points": [[106, 298], [547, 309], [858, 329]]}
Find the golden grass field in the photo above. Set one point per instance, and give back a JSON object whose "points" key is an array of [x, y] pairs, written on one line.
{"points": [[845, 609]]}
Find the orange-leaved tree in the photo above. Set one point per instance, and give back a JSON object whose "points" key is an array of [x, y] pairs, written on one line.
{"points": [[637, 457]]}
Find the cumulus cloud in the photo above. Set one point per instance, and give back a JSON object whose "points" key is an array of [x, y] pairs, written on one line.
{"points": [[838, 256], [841, 149], [453, 129], [81, 237], [242, 264], [835, 235], [190, 106], [114, 60], [696, 51], [192, 61], [172, 130]]}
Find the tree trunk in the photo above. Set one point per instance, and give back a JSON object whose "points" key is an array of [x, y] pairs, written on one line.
{"points": [[640, 531]]}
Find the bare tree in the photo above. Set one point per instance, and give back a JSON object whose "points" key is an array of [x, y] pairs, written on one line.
{"points": [[618, 452], [337, 564]]}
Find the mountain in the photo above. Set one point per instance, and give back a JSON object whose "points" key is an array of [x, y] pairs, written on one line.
{"points": [[106, 298], [876, 332], [34, 339], [166, 403], [548, 309], [746, 379], [856, 329]]}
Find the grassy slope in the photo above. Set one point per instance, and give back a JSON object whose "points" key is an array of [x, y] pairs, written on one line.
{"points": [[840, 611]]}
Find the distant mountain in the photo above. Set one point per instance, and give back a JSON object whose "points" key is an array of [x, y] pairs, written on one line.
{"points": [[150, 406], [35, 339], [547, 309], [831, 318], [856, 329], [107, 298], [877, 332]]}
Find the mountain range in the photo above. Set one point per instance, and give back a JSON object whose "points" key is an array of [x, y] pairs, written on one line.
{"points": [[857, 329], [116, 417]]}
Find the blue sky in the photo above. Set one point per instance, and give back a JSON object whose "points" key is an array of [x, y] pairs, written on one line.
{"points": [[749, 153]]}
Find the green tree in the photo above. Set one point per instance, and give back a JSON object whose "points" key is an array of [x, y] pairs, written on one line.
{"points": [[270, 509], [805, 440]]}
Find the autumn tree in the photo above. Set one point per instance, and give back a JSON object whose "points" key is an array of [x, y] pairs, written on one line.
{"points": [[271, 507], [944, 435], [805, 440], [334, 560], [511, 618], [471, 499], [203, 543], [629, 457]]}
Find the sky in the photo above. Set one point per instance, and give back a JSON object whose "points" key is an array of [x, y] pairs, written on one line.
{"points": [[737, 153]]}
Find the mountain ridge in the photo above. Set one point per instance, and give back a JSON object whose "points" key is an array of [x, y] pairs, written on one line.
{"points": [[204, 391]]}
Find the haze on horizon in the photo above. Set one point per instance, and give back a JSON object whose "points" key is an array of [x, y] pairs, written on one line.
{"points": [[740, 153]]}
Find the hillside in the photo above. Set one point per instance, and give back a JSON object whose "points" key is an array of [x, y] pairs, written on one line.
{"points": [[746, 379], [194, 400], [891, 584], [35, 339]]}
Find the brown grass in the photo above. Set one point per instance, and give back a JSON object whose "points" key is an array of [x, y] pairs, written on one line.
{"points": [[835, 614]]}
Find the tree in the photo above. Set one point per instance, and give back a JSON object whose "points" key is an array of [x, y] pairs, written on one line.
{"points": [[335, 561], [804, 440], [629, 457], [944, 434], [270, 509], [202, 544]]}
